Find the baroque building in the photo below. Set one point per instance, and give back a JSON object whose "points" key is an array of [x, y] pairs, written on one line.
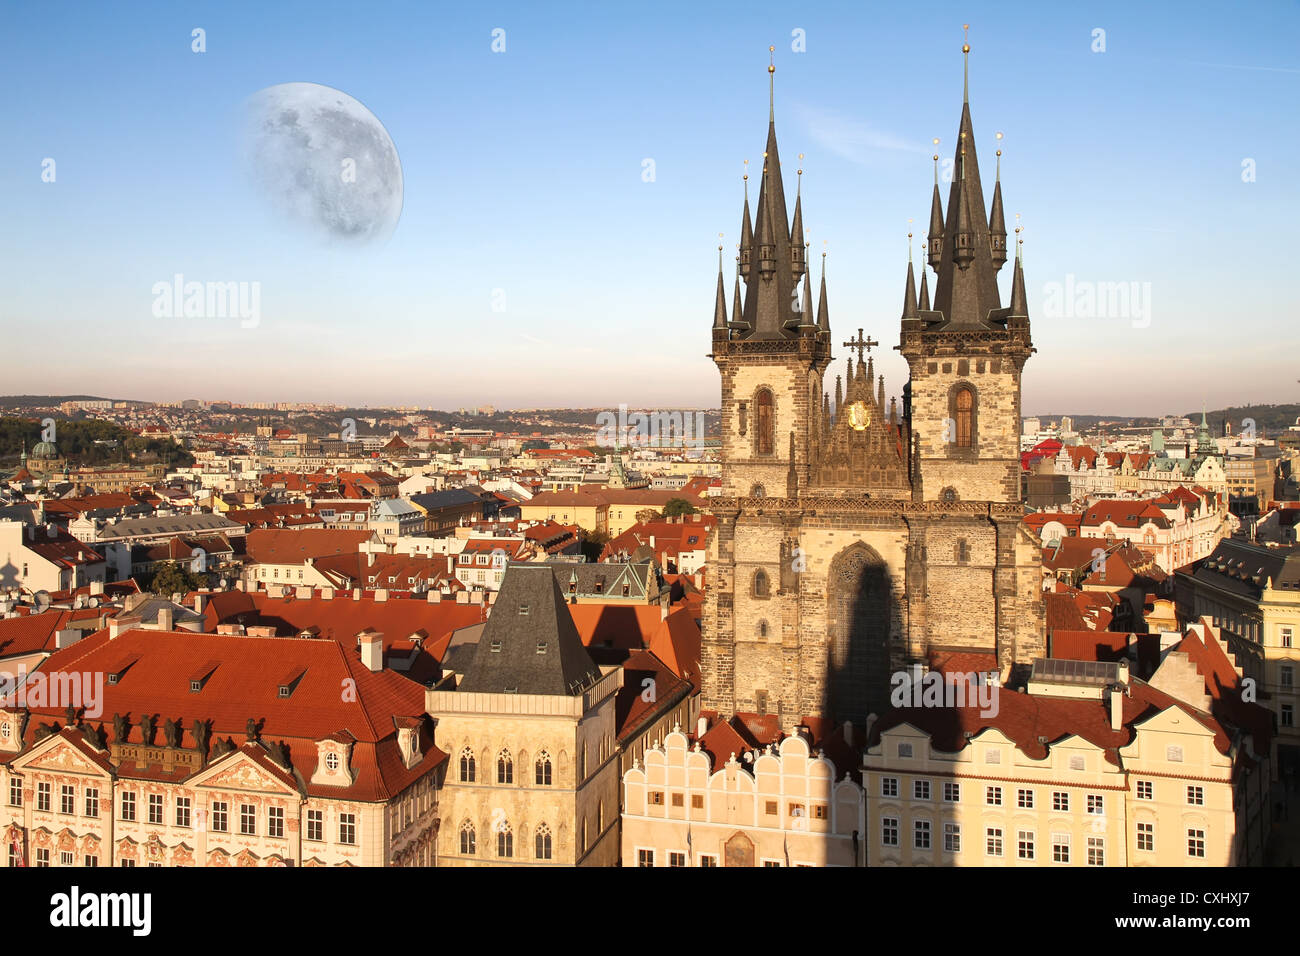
{"points": [[859, 536]]}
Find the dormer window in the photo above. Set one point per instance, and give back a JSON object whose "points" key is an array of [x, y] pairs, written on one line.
{"points": [[195, 685], [495, 647], [541, 647], [523, 610], [331, 761]]}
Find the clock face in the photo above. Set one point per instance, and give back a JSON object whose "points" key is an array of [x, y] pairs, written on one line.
{"points": [[859, 416]]}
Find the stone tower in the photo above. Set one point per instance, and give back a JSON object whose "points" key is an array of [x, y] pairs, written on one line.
{"points": [[856, 538]]}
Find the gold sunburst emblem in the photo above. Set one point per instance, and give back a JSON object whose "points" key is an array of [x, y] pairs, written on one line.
{"points": [[859, 416]]}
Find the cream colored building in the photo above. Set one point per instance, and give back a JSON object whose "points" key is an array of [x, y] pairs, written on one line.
{"points": [[1089, 767], [529, 722], [781, 807]]}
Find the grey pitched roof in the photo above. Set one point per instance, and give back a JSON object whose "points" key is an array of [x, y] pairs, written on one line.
{"points": [[530, 644], [445, 499], [607, 578], [1244, 568]]}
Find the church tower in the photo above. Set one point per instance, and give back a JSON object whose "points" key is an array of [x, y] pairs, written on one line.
{"points": [[857, 538]]}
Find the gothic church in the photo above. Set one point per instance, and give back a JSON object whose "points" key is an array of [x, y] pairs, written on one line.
{"points": [[856, 537]]}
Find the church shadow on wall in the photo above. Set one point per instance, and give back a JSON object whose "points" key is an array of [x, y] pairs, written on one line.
{"points": [[861, 612]]}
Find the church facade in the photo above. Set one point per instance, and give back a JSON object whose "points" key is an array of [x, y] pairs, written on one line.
{"points": [[857, 536]]}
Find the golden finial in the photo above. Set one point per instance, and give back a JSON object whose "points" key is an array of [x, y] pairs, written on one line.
{"points": [[771, 55], [965, 36]]}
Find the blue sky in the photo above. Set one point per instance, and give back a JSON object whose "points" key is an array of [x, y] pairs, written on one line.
{"points": [[523, 174]]}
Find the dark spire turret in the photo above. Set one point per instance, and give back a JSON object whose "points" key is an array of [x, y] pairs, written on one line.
{"points": [[934, 238], [798, 258], [1019, 304], [823, 313], [997, 221], [746, 233], [909, 291], [924, 304], [720, 307]]}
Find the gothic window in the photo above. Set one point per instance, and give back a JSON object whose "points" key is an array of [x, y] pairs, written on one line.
{"points": [[762, 628], [467, 766], [744, 423], [962, 551], [762, 588], [505, 841], [542, 842], [505, 768], [468, 839], [765, 423], [962, 407], [542, 770], [948, 496], [758, 491]]}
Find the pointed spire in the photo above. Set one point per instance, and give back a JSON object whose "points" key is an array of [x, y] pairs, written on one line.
{"points": [[869, 375], [823, 314], [720, 307], [771, 85], [924, 304], [1019, 304], [934, 237], [965, 64], [826, 412], [880, 395], [806, 319], [736, 304], [766, 231], [746, 232], [848, 377], [909, 291], [893, 411], [798, 248], [839, 396], [997, 221]]}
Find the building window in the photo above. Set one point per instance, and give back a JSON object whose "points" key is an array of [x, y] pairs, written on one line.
{"points": [[1096, 851], [993, 841], [992, 756], [92, 861], [1096, 803], [921, 834], [771, 808], [468, 839], [1196, 796], [1147, 837], [220, 822], [1060, 848], [92, 801], [762, 587], [1060, 801], [542, 770], [505, 768], [315, 826], [952, 837], [43, 797], [905, 750], [1288, 715], [889, 786], [128, 806], [1145, 790], [765, 423], [952, 792], [15, 792], [678, 800], [1196, 843], [889, 831], [993, 796], [42, 857], [65, 858], [708, 861], [1174, 754], [505, 841], [466, 766], [182, 811], [676, 859], [697, 801], [155, 808], [1025, 799], [1286, 633], [67, 799], [348, 828], [656, 798], [1025, 844], [542, 843], [645, 857], [275, 821], [128, 862], [964, 417], [247, 819], [920, 789], [961, 551]]}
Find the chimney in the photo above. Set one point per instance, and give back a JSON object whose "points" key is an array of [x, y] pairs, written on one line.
{"points": [[1123, 673], [199, 601], [66, 637], [1116, 708], [114, 628], [435, 596], [701, 727], [381, 594], [96, 588], [165, 619], [372, 650]]}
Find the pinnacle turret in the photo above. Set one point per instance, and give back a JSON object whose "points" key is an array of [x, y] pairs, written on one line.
{"points": [[720, 307]]}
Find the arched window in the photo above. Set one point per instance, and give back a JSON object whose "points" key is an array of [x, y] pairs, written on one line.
{"points": [[505, 768], [542, 842], [762, 628], [505, 840], [764, 424], [468, 839], [542, 770], [761, 586], [467, 766], [948, 496], [758, 491], [964, 415]]}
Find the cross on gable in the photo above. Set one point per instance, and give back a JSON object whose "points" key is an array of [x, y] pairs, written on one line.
{"points": [[860, 343]]}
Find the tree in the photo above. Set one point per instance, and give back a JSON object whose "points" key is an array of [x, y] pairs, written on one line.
{"points": [[677, 507], [593, 543], [172, 578], [647, 514]]}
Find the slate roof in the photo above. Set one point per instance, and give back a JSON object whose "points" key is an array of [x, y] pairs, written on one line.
{"points": [[530, 644]]}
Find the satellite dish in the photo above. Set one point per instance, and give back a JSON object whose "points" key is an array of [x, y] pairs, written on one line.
{"points": [[42, 600]]}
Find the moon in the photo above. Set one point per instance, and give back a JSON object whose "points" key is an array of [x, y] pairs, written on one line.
{"points": [[323, 162]]}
